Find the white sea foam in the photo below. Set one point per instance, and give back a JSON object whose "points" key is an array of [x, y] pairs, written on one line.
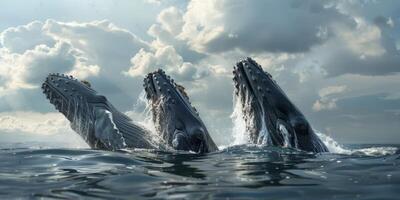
{"points": [[335, 147]]}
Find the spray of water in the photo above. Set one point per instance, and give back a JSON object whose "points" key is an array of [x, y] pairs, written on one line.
{"points": [[335, 147], [239, 125], [242, 119], [142, 115], [142, 111], [332, 145], [81, 123]]}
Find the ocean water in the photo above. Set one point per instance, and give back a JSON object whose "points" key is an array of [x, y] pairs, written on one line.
{"points": [[39, 171]]}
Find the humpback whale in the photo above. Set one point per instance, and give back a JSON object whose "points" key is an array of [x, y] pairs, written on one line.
{"points": [[176, 120], [270, 117], [93, 117]]}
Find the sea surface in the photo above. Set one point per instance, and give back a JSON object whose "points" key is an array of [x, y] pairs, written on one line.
{"points": [[36, 171]]}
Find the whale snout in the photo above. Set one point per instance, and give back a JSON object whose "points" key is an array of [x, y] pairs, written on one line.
{"points": [[175, 118]]}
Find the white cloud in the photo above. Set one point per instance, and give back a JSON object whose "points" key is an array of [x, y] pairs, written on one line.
{"points": [[338, 40], [45, 129], [102, 42], [327, 100], [363, 40], [96, 50], [166, 58], [75, 48], [305, 45], [220, 25], [163, 53], [33, 123], [21, 38], [324, 92], [29, 69], [171, 20]]}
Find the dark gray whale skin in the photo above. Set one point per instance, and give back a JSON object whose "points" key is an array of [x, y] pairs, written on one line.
{"points": [[176, 120], [93, 117], [266, 107]]}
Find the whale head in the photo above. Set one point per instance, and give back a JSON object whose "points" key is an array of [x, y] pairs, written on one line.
{"points": [[64, 92], [90, 115], [270, 117], [176, 120]]}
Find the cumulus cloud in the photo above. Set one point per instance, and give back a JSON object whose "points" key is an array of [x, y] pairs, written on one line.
{"points": [[34, 123], [367, 49], [28, 70], [305, 45], [96, 50], [214, 26], [164, 58], [163, 53], [102, 42], [21, 38], [171, 19], [75, 48], [336, 39], [45, 128], [327, 100]]}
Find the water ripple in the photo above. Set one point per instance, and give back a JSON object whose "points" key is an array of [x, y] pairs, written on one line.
{"points": [[238, 172]]}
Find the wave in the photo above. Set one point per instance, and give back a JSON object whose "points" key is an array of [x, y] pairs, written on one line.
{"points": [[335, 147]]}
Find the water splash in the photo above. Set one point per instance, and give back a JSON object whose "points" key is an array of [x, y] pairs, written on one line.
{"points": [[242, 119], [239, 125], [335, 147], [163, 118], [81, 123], [141, 113], [285, 133]]}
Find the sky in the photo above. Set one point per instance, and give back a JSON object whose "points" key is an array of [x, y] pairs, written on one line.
{"points": [[338, 61]]}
